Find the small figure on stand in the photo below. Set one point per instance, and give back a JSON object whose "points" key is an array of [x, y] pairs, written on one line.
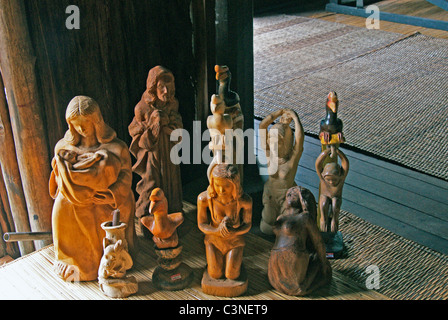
{"points": [[171, 273], [332, 177], [298, 263], [283, 155], [224, 216], [116, 260]]}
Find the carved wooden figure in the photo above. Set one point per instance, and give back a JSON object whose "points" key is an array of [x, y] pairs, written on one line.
{"points": [[116, 260], [332, 177], [171, 273], [298, 263], [331, 126], [224, 216], [283, 155], [91, 177], [156, 116], [217, 124], [233, 108]]}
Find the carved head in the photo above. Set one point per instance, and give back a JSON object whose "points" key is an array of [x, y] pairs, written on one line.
{"points": [[225, 180], [282, 138], [160, 85], [332, 174], [301, 199], [332, 101], [84, 119]]}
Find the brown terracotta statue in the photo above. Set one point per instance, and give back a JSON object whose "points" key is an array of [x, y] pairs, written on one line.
{"points": [[156, 116], [91, 177], [224, 216], [332, 177], [298, 263], [283, 155], [116, 260], [171, 274]]}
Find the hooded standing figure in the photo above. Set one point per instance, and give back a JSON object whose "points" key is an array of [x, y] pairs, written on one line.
{"points": [[156, 116]]}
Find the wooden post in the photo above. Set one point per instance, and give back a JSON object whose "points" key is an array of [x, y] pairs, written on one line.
{"points": [[200, 52], [17, 63], [11, 175], [234, 48]]}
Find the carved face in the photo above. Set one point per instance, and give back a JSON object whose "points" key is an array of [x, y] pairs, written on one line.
{"points": [[164, 89], [293, 198], [223, 187], [84, 126], [332, 174]]}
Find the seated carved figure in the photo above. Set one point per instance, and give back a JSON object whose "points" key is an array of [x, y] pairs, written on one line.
{"points": [[224, 216], [91, 177], [298, 263]]}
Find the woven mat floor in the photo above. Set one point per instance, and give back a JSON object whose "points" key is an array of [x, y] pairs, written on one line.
{"points": [[407, 270], [392, 88]]}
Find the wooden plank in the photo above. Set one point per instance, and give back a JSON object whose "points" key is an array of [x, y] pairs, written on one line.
{"points": [[392, 17]]}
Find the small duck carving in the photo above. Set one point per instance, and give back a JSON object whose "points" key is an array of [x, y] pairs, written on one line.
{"points": [[331, 124], [162, 225]]}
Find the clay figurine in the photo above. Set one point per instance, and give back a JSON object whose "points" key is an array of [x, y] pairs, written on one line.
{"points": [[297, 263], [156, 116], [171, 273], [283, 155], [224, 216], [116, 260], [91, 176], [332, 177]]}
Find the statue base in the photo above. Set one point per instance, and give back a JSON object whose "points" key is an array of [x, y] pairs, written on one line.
{"points": [[174, 279], [334, 244], [224, 287], [118, 288]]}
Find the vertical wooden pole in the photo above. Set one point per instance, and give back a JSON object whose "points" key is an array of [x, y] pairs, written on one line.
{"points": [[17, 63], [6, 220], [200, 52], [11, 174], [234, 48]]}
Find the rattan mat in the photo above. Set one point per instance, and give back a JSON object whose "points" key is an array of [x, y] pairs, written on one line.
{"points": [[406, 270], [392, 88]]}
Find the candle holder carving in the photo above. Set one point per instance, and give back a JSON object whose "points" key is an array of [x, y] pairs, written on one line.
{"points": [[116, 260], [171, 273]]}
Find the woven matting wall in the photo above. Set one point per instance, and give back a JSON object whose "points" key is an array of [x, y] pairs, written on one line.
{"points": [[407, 270], [392, 88]]}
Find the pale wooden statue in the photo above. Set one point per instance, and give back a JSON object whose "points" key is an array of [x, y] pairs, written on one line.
{"points": [[233, 108], [116, 260], [171, 273], [156, 116], [218, 123], [91, 177], [297, 263], [224, 216], [283, 155], [332, 177]]}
